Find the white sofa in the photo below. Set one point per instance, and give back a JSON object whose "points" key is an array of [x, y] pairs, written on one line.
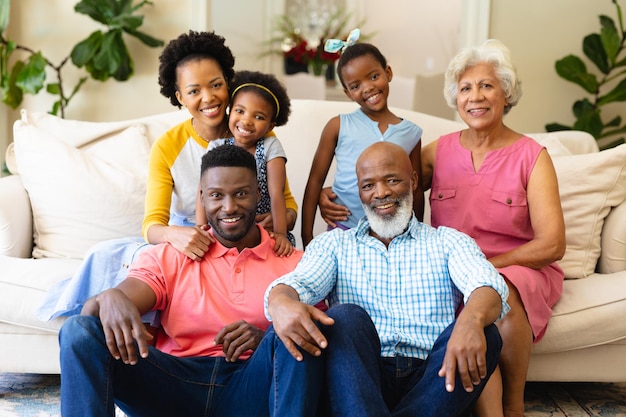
{"points": [[83, 182]]}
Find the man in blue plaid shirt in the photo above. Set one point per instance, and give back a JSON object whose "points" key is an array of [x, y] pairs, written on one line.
{"points": [[409, 331]]}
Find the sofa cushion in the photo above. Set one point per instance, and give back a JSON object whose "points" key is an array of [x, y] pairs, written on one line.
{"points": [[613, 258], [81, 196], [23, 285], [581, 317], [589, 185], [552, 142]]}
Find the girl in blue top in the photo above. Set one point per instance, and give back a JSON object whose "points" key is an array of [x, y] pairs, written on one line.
{"points": [[365, 76]]}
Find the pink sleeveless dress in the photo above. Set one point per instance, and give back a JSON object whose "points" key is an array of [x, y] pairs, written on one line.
{"points": [[490, 205]]}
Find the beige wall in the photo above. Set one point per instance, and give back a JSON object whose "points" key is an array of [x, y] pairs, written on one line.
{"points": [[427, 34], [55, 30], [540, 32]]}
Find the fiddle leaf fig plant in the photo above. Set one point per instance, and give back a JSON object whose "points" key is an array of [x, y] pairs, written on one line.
{"points": [[606, 51], [103, 55]]}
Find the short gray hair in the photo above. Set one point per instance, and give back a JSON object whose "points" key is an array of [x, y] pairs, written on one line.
{"points": [[493, 52]]}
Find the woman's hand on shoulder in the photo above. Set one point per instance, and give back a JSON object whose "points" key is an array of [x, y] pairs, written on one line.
{"points": [[193, 241]]}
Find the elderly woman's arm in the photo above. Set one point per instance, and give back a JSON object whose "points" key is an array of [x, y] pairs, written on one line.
{"points": [[546, 217]]}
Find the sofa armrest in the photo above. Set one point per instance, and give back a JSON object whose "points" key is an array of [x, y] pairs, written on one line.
{"points": [[613, 257], [16, 218], [577, 142]]}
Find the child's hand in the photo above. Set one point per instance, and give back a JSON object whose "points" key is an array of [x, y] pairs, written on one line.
{"points": [[283, 246], [331, 212], [265, 221]]}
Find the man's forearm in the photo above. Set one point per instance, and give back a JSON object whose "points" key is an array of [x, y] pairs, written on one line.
{"points": [[484, 304], [282, 290]]}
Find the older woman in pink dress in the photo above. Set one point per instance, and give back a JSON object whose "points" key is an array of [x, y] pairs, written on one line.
{"points": [[500, 187]]}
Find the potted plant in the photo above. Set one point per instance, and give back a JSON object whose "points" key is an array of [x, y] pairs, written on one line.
{"points": [[307, 55], [606, 51], [104, 55]]}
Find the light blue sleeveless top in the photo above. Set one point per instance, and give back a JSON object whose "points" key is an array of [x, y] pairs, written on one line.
{"points": [[356, 132]]}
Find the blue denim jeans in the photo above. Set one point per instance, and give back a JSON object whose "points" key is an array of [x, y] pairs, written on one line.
{"points": [[270, 383], [360, 383]]}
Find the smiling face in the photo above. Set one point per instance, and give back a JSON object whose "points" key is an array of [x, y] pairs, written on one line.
{"points": [[251, 118], [203, 90], [229, 197], [386, 183], [481, 99], [367, 82]]}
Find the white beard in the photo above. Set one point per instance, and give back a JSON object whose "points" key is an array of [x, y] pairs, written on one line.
{"points": [[388, 227]]}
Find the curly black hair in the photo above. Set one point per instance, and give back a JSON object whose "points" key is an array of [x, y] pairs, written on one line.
{"points": [[356, 51], [192, 46], [228, 156], [268, 81]]}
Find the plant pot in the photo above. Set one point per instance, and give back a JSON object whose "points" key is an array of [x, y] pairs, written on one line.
{"points": [[331, 72], [293, 67]]}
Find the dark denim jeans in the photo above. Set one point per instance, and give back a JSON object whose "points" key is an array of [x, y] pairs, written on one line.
{"points": [[360, 383], [269, 383]]}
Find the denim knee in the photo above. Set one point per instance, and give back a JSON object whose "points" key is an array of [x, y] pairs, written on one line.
{"points": [[352, 323], [350, 313], [80, 329]]}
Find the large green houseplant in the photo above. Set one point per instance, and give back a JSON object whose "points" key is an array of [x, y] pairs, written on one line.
{"points": [[103, 55], [606, 50]]}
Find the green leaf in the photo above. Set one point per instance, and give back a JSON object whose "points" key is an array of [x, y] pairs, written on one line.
{"points": [[96, 73], [573, 69], [617, 94], [53, 88], [593, 49], [128, 22], [145, 39], [12, 95], [85, 50], [613, 132], [107, 59], [102, 11], [587, 118], [611, 39], [113, 58], [31, 78], [556, 127], [616, 121], [5, 13], [55, 108], [125, 68]]}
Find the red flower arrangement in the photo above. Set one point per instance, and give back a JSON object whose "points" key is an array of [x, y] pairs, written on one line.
{"points": [[307, 54], [312, 56]]}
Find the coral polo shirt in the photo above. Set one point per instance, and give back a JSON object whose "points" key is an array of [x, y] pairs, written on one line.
{"points": [[198, 298]]}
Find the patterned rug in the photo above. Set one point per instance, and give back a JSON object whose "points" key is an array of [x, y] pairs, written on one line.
{"points": [[30, 395]]}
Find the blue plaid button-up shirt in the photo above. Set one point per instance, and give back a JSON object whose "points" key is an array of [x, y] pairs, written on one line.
{"points": [[411, 289]]}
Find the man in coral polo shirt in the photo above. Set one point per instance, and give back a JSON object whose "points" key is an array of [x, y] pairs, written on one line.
{"points": [[214, 353]]}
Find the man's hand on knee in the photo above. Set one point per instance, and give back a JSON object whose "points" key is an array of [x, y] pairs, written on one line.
{"points": [[294, 322]]}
